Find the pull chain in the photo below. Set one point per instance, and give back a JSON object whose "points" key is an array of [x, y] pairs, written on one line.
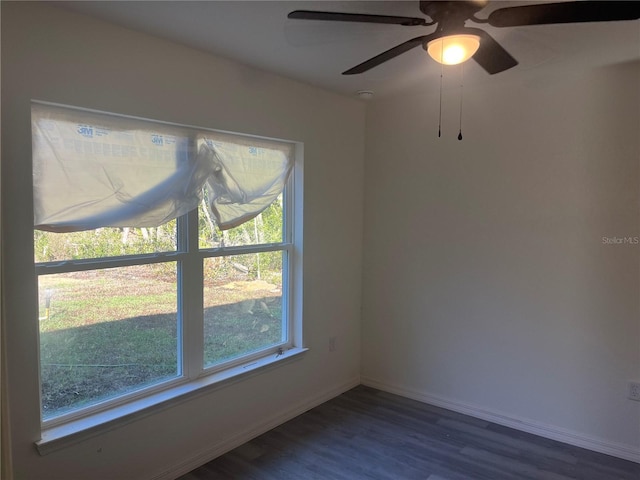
{"points": [[461, 91], [440, 113]]}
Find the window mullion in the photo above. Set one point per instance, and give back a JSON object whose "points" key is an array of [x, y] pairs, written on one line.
{"points": [[243, 250], [48, 268], [190, 294]]}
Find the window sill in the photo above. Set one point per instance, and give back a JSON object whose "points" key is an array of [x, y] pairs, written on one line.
{"points": [[62, 436]]}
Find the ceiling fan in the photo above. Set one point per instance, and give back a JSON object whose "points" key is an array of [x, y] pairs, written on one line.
{"points": [[452, 42]]}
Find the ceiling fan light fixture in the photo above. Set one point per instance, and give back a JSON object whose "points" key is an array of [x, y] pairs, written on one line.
{"points": [[453, 49]]}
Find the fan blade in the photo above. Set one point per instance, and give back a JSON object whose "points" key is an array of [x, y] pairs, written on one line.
{"points": [[357, 17], [491, 56], [567, 12], [389, 54]]}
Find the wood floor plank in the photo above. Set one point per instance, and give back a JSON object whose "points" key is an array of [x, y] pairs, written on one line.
{"points": [[374, 435]]}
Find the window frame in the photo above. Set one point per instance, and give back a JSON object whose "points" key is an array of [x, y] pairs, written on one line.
{"points": [[192, 373]]}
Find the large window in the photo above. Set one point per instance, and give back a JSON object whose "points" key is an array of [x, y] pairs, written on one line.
{"points": [[163, 254]]}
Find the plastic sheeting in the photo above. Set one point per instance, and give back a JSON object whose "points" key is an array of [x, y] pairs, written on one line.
{"points": [[248, 175], [94, 170]]}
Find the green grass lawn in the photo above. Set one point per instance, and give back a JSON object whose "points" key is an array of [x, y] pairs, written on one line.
{"points": [[108, 332]]}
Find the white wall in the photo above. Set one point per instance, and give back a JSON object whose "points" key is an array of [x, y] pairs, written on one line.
{"points": [[52, 55], [487, 287]]}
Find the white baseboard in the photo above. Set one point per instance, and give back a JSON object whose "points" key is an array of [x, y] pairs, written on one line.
{"points": [[213, 451], [626, 452]]}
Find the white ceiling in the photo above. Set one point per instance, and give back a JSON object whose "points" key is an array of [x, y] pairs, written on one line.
{"points": [[258, 33]]}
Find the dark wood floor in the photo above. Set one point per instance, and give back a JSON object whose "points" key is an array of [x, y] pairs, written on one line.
{"points": [[369, 434]]}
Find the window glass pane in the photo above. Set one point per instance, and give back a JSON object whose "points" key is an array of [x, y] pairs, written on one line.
{"points": [[104, 242], [242, 305], [104, 333], [267, 227]]}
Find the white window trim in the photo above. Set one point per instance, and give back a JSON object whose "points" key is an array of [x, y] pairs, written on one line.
{"points": [[68, 429]]}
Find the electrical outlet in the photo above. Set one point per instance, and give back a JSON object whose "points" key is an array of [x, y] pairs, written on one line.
{"points": [[634, 391], [332, 344]]}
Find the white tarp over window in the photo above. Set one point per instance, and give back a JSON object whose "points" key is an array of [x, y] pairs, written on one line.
{"points": [[94, 170]]}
